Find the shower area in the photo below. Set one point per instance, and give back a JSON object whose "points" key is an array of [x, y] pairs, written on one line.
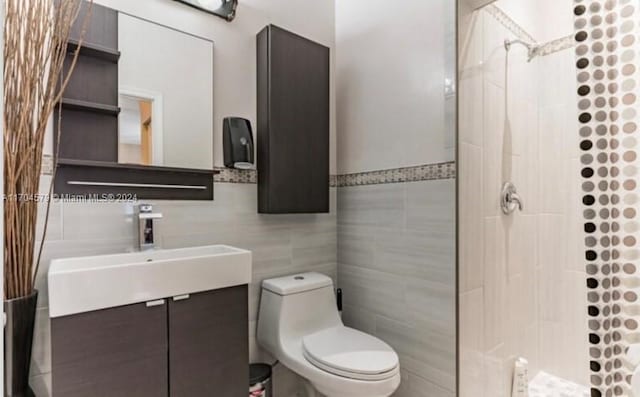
{"points": [[547, 197]]}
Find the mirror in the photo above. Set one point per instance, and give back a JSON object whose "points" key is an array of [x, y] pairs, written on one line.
{"points": [[165, 93]]}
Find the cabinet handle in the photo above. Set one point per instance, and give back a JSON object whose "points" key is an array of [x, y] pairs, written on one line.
{"points": [[158, 302], [180, 297]]}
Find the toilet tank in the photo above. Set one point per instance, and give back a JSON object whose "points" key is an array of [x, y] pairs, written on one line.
{"points": [[295, 306]]}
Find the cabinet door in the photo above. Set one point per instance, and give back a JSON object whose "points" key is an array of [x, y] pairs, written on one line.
{"points": [[117, 352], [293, 123], [208, 344]]}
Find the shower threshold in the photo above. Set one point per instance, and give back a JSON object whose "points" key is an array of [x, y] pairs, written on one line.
{"points": [[547, 385]]}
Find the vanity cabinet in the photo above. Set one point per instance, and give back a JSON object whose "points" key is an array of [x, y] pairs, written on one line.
{"points": [[190, 345], [293, 123], [120, 351], [208, 344]]}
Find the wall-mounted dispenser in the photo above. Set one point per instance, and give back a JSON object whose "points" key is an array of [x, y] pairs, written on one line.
{"points": [[237, 140]]}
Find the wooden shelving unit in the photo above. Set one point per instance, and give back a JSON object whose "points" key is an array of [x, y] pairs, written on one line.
{"points": [[76, 104], [88, 150], [94, 51]]}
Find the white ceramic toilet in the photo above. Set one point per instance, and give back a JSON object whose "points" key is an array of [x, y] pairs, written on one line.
{"points": [[299, 325]]}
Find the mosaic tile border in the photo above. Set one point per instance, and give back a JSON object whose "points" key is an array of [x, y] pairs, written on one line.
{"points": [[548, 48], [557, 45], [229, 175], [396, 175], [47, 165], [509, 23], [424, 172], [232, 175]]}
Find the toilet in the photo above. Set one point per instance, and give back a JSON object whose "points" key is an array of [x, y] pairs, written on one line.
{"points": [[300, 326]]}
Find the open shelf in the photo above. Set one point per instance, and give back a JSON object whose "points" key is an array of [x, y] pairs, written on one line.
{"points": [[107, 164], [76, 104], [85, 178], [94, 51]]}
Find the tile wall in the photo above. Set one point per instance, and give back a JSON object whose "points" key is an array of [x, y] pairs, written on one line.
{"points": [[281, 244], [395, 101], [522, 281], [396, 266]]}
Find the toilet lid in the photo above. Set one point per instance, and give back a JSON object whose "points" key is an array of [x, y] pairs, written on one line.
{"points": [[347, 352]]}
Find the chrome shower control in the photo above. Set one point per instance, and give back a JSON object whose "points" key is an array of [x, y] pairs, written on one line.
{"points": [[510, 199]]}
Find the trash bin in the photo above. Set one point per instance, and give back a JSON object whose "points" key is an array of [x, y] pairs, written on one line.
{"points": [[260, 380]]}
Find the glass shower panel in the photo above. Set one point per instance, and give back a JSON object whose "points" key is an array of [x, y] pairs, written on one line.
{"points": [[522, 275]]}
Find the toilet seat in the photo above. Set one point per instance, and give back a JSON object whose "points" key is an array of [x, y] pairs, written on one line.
{"points": [[346, 352]]}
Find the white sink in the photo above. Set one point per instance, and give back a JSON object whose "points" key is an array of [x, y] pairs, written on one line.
{"points": [[78, 285]]}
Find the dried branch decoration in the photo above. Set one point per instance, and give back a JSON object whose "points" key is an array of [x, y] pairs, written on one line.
{"points": [[36, 35]]}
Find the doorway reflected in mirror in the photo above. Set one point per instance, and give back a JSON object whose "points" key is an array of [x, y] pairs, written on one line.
{"points": [[136, 143]]}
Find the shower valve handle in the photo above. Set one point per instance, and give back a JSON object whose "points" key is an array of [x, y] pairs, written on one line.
{"points": [[510, 199]]}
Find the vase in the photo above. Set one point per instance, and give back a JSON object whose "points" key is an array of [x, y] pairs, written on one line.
{"points": [[18, 338]]}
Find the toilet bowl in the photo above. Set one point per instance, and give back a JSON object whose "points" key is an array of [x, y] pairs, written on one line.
{"points": [[299, 325]]}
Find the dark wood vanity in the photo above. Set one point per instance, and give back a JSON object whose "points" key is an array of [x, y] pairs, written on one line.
{"points": [[179, 347]]}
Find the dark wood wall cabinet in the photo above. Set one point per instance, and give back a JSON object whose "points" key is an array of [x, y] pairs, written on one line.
{"points": [[187, 346], [87, 153], [293, 123]]}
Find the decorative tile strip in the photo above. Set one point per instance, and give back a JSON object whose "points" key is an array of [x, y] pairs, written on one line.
{"points": [[557, 45], [398, 175], [333, 180], [229, 175], [47, 165], [509, 23], [232, 175], [548, 48]]}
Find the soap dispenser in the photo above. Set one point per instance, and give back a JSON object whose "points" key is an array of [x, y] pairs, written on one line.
{"points": [[237, 141]]}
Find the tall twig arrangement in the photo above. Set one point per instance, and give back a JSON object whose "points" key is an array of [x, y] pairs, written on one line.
{"points": [[36, 34]]}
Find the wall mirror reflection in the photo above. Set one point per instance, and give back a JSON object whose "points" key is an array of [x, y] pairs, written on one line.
{"points": [[165, 93], [138, 109], [136, 144]]}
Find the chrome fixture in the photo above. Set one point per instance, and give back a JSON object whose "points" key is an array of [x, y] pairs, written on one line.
{"points": [[533, 50], [142, 185], [510, 199], [227, 9], [146, 238]]}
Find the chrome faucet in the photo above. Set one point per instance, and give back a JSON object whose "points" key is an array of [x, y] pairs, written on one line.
{"points": [[146, 216], [510, 199]]}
